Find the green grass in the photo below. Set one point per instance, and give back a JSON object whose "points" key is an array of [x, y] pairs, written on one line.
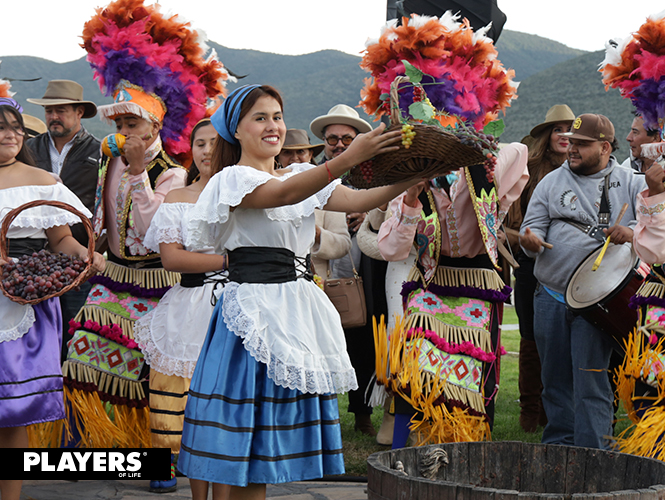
{"points": [[357, 447]]}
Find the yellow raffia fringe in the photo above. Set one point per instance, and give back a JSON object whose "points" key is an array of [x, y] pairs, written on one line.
{"points": [[453, 334], [645, 436], [45, 434], [126, 428], [454, 426], [422, 389]]}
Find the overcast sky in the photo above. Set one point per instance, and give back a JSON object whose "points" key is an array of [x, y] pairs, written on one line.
{"points": [[51, 29]]}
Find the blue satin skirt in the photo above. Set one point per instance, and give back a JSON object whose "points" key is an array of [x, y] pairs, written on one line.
{"points": [[241, 428], [30, 371]]}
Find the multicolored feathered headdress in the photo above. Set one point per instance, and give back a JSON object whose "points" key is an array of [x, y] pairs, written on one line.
{"points": [[636, 66], [6, 95], [153, 66], [463, 76]]}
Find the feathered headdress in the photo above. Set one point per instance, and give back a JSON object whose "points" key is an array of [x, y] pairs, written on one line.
{"points": [[463, 76], [154, 67], [6, 95], [636, 66]]}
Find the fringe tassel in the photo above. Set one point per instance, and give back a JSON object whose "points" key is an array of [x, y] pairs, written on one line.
{"points": [[92, 421], [134, 423], [486, 279], [45, 434], [147, 278], [454, 426], [646, 438], [102, 424], [425, 391], [651, 289], [646, 435]]}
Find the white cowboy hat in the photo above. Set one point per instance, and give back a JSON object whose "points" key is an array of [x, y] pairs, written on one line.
{"points": [[340, 114]]}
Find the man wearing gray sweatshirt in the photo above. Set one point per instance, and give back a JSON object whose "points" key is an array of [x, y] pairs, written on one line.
{"points": [[565, 208]]}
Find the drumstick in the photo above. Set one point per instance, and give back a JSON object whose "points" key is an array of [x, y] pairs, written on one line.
{"points": [[507, 255], [598, 260], [513, 232]]}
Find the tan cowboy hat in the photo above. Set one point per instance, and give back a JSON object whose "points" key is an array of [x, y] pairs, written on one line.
{"points": [[34, 125], [339, 115], [296, 138], [557, 113], [65, 92]]}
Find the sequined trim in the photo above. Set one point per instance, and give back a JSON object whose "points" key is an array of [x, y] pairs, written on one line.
{"points": [[656, 209]]}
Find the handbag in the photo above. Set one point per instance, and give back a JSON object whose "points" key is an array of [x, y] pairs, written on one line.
{"points": [[348, 297]]}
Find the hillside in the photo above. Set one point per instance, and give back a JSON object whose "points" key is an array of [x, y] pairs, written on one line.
{"points": [[530, 54], [577, 83], [311, 84]]}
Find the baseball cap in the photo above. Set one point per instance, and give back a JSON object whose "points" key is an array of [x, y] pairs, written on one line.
{"points": [[590, 127]]}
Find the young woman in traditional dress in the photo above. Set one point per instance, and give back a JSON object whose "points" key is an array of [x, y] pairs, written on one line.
{"points": [[262, 405]]}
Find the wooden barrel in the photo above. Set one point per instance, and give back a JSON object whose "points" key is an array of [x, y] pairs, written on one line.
{"points": [[513, 470]]}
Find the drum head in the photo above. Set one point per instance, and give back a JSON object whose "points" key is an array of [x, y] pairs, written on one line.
{"points": [[586, 287]]}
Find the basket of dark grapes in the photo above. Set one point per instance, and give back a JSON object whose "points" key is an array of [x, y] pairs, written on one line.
{"points": [[426, 150], [41, 275]]}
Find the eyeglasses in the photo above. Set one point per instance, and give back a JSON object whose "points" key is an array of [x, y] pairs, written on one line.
{"points": [[332, 140]]}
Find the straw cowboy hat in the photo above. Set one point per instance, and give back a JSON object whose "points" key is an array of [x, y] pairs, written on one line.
{"points": [[557, 113], [34, 125], [339, 115], [297, 138], [60, 92]]}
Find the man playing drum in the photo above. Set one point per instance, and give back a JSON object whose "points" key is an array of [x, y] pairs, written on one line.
{"points": [[574, 208]]}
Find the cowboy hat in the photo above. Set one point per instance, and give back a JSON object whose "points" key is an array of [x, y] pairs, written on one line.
{"points": [[60, 92], [34, 125], [297, 138], [557, 113], [339, 115]]}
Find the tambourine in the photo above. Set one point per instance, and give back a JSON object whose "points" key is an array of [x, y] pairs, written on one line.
{"points": [[113, 144]]}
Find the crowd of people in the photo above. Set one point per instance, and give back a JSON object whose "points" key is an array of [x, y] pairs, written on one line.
{"points": [[205, 278]]}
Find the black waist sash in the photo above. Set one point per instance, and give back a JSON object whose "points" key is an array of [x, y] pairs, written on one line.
{"points": [[141, 264], [267, 265], [480, 261], [192, 280], [25, 246]]}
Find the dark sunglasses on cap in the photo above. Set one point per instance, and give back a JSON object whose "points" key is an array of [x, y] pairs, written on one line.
{"points": [[332, 140]]}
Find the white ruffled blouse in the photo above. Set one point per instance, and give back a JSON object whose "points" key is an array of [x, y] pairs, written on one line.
{"points": [[172, 334], [291, 327], [16, 319]]}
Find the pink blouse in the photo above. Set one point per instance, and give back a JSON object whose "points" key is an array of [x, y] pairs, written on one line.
{"points": [[459, 225], [145, 201], [649, 233]]}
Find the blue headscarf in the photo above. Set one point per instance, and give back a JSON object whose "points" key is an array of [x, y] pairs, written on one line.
{"points": [[8, 101], [226, 118]]}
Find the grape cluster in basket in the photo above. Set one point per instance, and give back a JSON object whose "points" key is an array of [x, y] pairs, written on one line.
{"points": [[487, 144], [40, 274]]}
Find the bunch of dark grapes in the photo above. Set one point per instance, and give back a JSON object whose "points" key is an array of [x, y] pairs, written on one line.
{"points": [[366, 170], [35, 276], [484, 143]]}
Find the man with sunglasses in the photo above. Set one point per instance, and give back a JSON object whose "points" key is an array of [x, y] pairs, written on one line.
{"points": [[338, 129]]}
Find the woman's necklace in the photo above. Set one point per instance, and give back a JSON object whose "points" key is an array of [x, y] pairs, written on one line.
{"points": [[9, 164]]}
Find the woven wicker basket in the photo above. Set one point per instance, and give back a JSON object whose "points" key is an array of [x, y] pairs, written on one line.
{"points": [[9, 218], [433, 152]]}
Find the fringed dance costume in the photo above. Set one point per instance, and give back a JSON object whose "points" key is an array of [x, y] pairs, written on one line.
{"points": [[640, 380], [262, 406], [104, 363], [443, 358]]}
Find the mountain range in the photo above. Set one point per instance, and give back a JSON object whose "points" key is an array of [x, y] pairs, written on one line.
{"points": [[549, 73]]}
